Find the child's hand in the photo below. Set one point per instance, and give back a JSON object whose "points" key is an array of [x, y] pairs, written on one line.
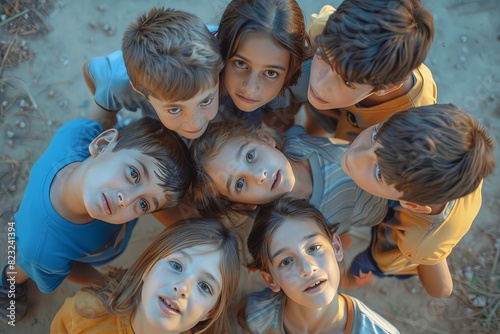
{"points": [[318, 21]]}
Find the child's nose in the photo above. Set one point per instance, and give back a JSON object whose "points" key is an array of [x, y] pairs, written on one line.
{"points": [[122, 201], [181, 290]]}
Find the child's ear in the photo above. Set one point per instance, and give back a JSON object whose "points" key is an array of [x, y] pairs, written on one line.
{"points": [[270, 281], [266, 137], [243, 206], [417, 208], [383, 92], [102, 141], [337, 247], [136, 90]]}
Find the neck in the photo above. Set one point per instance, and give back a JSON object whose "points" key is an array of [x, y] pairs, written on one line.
{"points": [[375, 99], [303, 179], [437, 208], [141, 326], [329, 319], [66, 194]]}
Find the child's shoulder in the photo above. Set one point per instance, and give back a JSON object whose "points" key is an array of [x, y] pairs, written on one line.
{"points": [[362, 319], [88, 304]]}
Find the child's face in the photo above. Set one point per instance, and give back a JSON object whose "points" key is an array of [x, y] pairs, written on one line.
{"points": [[181, 289], [327, 89], [304, 263], [120, 186], [257, 72], [251, 171], [188, 118], [361, 163]]}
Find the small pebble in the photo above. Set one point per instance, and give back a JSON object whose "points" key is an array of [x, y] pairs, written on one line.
{"points": [[480, 301], [444, 45], [64, 104], [462, 58], [4, 104], [3, 17], [463, 38], [101, 8], [91, 40], [12, 188], [414, 290], [22, 124], [49, 122], [10, 134], [51, 93], [93, 25], [22, 103], [10, 142]]}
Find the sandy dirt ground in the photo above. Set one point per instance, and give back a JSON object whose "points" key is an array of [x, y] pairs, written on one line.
{"points": [[47, 90]]}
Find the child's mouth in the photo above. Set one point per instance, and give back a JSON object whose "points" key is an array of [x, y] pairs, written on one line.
{"points": [[316, 286], [277, 180], [105, 205]]}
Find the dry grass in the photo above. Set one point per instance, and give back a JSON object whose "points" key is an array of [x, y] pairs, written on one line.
{"points": [[21, 18], [477, 287]]}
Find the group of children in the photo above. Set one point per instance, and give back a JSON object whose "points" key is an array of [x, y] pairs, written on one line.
{"points": [[371, 149]]}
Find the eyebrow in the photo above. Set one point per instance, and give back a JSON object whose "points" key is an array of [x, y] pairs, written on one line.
{"points": [[177, 105], [238, 157], [281, 250], [278, 67], [209, 275], [146, 175]]}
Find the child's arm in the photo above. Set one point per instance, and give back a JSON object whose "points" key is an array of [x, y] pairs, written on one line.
{"points": [[106, 118], [85, 274], [436, 279]]}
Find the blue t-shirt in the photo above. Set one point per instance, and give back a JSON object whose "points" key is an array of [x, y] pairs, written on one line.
{"points": [[113, 88], [47, 243]]}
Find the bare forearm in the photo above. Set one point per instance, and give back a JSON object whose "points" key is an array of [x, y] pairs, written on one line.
{"points": [[436, 279], [85, 274]]}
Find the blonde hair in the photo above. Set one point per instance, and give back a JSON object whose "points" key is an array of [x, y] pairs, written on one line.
{"points": [[125, 297]]}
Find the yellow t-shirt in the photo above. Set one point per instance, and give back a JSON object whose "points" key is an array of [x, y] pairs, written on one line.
{"points": [[84, 313], [410, 239], [354, 119]]}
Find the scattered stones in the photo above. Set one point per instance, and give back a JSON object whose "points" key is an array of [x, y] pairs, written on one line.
{"points": [[10, 134]]}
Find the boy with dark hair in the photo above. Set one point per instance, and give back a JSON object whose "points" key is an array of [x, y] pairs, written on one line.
{"points": [[431, 161], [368, 65], [83, 199], [168, 66]]}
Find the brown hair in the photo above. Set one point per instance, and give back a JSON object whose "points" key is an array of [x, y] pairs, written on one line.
{"points": [[376, 42], [272, 216], [125, 297], [434, 154], [207, 197], [171, 55], [150, 137], [281, 19]]}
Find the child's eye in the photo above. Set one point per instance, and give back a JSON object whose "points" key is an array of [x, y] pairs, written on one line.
{"points": [[286, 262], [174, 111], [313, 248], [205, 287], [240, 64], [206, 102], [374, 135], [144, 205], [271, 74], [378, 175], [349, 84], [250, 156], [175, 265], [134, 174], [239, 184]]}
